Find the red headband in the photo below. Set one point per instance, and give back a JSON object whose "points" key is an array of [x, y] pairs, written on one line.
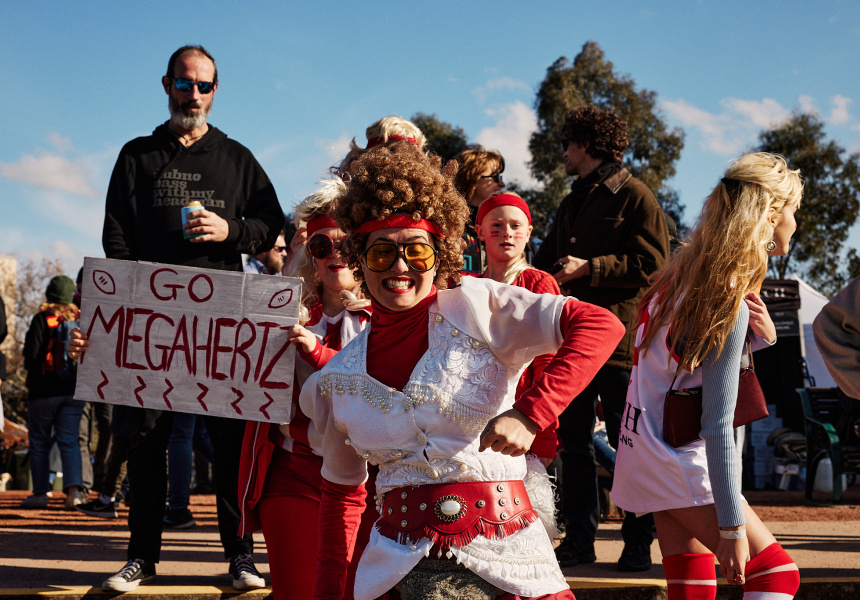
{"points": [[320, 222], [378, 141], [404, 221], [503, 200]]}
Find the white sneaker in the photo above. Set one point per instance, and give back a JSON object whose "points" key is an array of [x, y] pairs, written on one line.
{"points": [[73, 499], [135, 572], [245, 574]]}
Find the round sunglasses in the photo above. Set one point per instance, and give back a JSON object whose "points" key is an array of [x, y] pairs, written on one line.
{"points": [[320, 246], [419, 257]]}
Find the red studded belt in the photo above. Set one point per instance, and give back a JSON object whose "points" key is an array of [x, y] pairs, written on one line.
{"points": [[453, 514]]}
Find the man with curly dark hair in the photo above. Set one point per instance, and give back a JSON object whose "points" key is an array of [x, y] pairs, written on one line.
{"points": [[609, 235]]}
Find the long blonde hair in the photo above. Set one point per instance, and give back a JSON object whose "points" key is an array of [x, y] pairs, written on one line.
{"points": [[318, 203], [701, 289]]}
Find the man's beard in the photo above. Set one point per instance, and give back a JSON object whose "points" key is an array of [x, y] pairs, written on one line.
{"points": [[184, 121], [273, 264]]}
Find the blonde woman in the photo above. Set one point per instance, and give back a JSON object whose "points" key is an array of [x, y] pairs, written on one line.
{"points": [[693, 323], [279, 471]]}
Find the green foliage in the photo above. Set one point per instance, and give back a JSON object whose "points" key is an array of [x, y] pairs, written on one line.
{"points": [[444, 139], [654, 148], [830, 205]]}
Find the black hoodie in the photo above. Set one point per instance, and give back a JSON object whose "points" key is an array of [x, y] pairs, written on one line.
{"points": [[155, 176]]}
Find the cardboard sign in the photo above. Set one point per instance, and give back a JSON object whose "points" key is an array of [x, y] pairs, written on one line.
{"points": [[188, 340]]}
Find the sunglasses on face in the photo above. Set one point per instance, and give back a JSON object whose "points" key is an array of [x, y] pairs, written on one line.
{"points": [[186, 85], [418, 256], [321, 246], [564, 144], [280, 249], [497, 177]]}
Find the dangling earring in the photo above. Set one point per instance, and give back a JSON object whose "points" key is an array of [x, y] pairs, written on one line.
{"points": [[770, 247]]}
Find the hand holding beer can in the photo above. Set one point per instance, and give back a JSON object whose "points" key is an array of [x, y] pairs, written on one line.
{"points": [[187, 210]]}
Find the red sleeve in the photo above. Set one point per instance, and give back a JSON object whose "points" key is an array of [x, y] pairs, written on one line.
{"points": [[319, 357], [591, 334], [341, 507], [545, 444], [541, 282]]}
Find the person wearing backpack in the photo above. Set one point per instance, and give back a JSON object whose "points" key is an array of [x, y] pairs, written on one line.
{"points": [[51, 387]]}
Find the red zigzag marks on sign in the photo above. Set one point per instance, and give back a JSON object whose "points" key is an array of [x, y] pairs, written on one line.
{"points": [[235, 403], [167, 391], [266, 405], [200, 397], [101, 385], [140, 389]]}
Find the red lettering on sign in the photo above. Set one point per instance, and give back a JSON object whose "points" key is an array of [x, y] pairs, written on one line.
{"points": [[217, 348], [266, 325], [130, 313], [202, 395], [266, 405], [171, 286], [146, 345], [240, 349], [207, 347], [138, 390], [193, 295], [264, 379], [118, 318], [235, 403], [101, 385], [167, 391]]}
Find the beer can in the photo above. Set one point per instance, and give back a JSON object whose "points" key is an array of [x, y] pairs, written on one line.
{"points": [[187, 210]]}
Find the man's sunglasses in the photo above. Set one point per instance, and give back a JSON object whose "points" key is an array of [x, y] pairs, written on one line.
{"points": [[381, 257], [186, 85], [496, 177], [320, 246]]}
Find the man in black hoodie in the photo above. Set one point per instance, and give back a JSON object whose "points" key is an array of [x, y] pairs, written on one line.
{"points": [[185, 160], [609, 235]]}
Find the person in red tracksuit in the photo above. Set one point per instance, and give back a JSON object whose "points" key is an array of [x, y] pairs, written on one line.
{"points": [[279, 477]]}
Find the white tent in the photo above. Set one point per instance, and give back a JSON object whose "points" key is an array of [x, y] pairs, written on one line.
{"points": [[811, 303]]}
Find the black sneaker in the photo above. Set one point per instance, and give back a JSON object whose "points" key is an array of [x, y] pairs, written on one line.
{"points": [[245, 574], [179, 519], [636, 557], [570, 554], [97, 508], [135, 572]]}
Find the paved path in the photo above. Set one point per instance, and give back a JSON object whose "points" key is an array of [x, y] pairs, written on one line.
{"points": [[66, 555]]}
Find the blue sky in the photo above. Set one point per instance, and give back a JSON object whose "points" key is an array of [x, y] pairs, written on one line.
{"points": [[299, 80]]}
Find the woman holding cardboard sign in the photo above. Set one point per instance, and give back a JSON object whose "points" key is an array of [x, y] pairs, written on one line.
{"points": [[692, 331], [279, 476]]}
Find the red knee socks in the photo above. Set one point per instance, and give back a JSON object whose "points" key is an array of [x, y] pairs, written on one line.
{"points": [[691, 576], [772, 574]]}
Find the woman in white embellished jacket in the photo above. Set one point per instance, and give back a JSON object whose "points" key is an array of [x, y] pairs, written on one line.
{"points": [[426, 391]]}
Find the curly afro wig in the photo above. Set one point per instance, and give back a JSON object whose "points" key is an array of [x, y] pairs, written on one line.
{"points": [[603, 130], [401, 179]]}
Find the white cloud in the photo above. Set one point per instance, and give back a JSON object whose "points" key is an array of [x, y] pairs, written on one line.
{"points": [[498, 85], [51, 172], [70, 254], [840, 114], [335, 149], [515, 124], [807, 104], [735, 128], [62, 144], [760, 114]]}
